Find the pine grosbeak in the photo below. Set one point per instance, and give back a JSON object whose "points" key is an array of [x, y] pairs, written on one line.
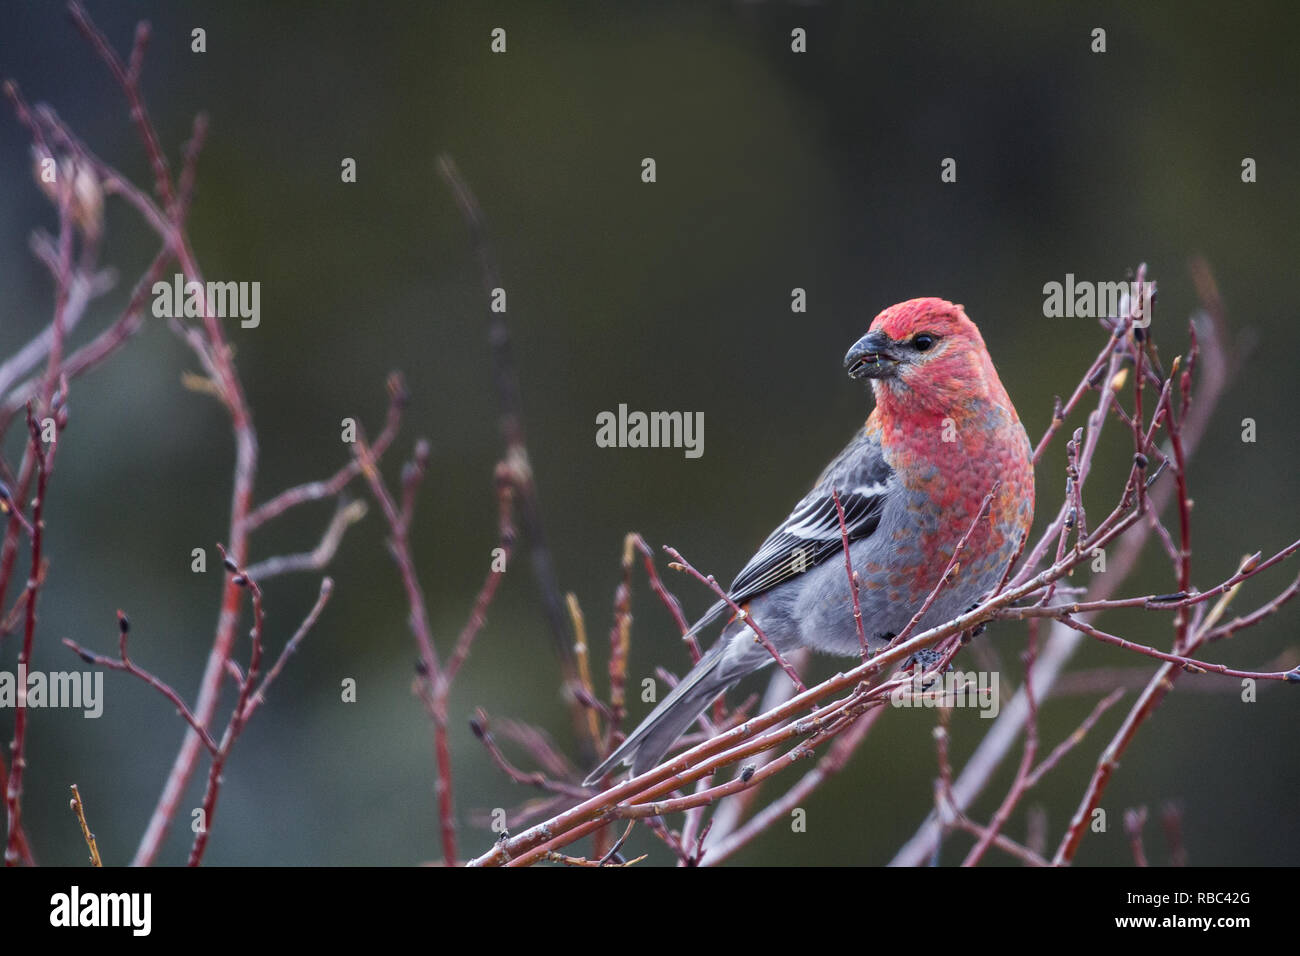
{"points": [[911, 483]]}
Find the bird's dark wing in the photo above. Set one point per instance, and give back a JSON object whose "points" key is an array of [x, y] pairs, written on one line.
{"points": [[812, 533]]}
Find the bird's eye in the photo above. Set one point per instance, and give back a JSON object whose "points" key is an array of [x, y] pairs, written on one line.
{"points": [[923, 342]]}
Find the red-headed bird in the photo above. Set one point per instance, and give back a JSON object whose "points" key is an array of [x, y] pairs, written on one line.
{"points": [[911, 482]]}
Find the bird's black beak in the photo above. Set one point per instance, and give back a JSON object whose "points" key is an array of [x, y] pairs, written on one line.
{"points": [[875, 355]]}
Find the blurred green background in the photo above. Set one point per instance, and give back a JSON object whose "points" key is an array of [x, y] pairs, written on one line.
{"points": [[775, 170]]}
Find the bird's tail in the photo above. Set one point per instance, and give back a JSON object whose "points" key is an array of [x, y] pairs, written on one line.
{"points": [[646, 745]]}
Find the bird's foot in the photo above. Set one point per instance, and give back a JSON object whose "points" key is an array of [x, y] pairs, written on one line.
{"points": [[923, 660], [968, 635]]}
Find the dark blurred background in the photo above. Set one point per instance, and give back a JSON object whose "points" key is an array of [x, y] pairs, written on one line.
{"points": [[775, 170]]}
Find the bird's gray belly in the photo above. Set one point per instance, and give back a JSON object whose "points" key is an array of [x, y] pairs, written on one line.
{"points": [[822, 611]]}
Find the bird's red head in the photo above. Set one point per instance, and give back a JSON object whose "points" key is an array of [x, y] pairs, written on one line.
{"points": [[926, 352]]}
